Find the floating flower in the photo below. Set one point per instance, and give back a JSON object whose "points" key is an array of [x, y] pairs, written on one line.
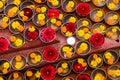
{"points": [[12, 11], [4, 44], [50, 54], [84, 77], [53, 13], [1, 4], [17, 2], [70, 6], [48, 72], [99, 76], [83, 9], [4, 22], [54, 3], [47, 34], [97, 39]]}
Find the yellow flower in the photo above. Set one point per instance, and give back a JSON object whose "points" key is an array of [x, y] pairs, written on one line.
{"points": [[80, 60], [117, 72], [85, 23], [53, 20], [5, 19], [99, 76], [31, 6], [102, 0], [60, 16], [84, 46], [71, 4], [31, 29], [37, 74], [108, 55], [38, 58], [43, 9], [87, 36], [17, 2], [21, 13], [111, 6], [55, 2], [1, 4], [18, 42], [18, 65], [72, 19], [1, 78], [41, 17], [102, 27], [115, 17], [68, 33], [94, 63], [114, 30], [98, 60], [15, 24], [81, 33], [14, 9], [99, 14], [66, 49], [6, 65], [64, 65]]}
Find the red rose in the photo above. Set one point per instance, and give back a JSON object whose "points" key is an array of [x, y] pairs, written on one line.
{"points": [[97, 39], [71, 27], [28, 12], [32, 35], [53, 13], [78, 67], [83, 9], [83, 77], [50, 54], [3, 44], [48, 72]]}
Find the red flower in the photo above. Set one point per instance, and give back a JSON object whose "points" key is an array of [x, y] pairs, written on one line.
{"points": [[71, 27], [28, 12], [3, 44], [97, 39], [48, 34], [32, 35], [48, 72], [83, 9], [78, 67], [53, 13], [50, 53], [83, 77]]}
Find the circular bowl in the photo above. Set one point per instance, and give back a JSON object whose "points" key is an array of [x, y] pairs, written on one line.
{"points": [[83, 48], [30, 31], [19, 24], [51, 3], [111, 18], [94, 59], [2, 6], [79, 64], [69, 18], [85, 76], [40, 19], [17, 75], [113, 71], [113, 4], [97, 15], [15, 44], [11, 10], [20, 64], [66, 71], [6, 67], [98, 72], [107, 57], [99, 28], [83, 33], [41, 9], [65, 3], [113, 33], [4, 21], [32, 74], [84, 22], [65, 51], [27, 4], [33, 58], [99, 3]]}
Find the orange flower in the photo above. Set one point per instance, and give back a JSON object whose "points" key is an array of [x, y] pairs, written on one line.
{"points": [[84, 64], [109, 34], [110, 72], [3, 24], [95, 56], [58, 23], [60, 70], [86, 30], [110, 61], [15, 75], [4, 71], [32, 55], [64, 29], [21, 28], [97, 19], [116, 1], [38, 1], [42, 22], [10, 13], [96, 2], [38, 10], [24, 18], [29, 73], [79, 51], [12, 38], [68, 55], [18, 58], [49, 0], [110, 21], [68, 9], [95, 31]]}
